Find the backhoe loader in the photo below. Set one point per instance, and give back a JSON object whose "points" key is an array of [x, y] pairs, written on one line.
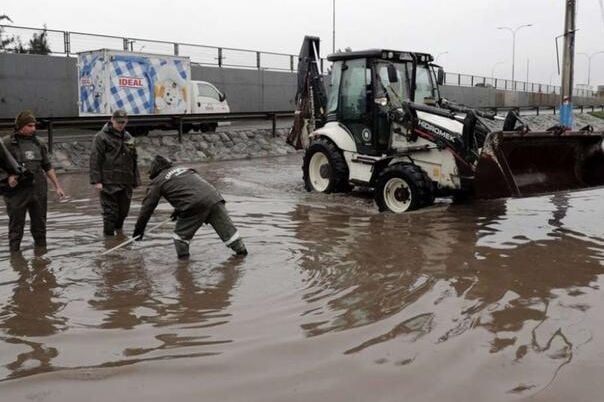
{"points": [[383, 125]]}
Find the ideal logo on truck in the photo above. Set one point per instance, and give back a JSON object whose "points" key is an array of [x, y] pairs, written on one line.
{"points": [[130, 82]]}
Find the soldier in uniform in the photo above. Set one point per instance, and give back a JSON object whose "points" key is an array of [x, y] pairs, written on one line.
{"points": [[114, 171], [195, 202], [27, 191]]}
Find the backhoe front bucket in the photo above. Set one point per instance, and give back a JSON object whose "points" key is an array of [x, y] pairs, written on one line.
{"points": [[515, 164]]}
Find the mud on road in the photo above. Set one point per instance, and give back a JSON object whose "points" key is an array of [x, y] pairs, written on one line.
{"points": [[490, 301]]}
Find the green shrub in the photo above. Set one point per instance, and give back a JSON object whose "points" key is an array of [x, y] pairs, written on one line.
{"points": [[598, 114]]}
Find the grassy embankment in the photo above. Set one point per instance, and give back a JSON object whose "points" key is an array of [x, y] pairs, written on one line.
{"points": [[598, 114]]}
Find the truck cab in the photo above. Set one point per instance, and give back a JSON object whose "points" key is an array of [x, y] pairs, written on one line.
{"points": [[206, 98]]}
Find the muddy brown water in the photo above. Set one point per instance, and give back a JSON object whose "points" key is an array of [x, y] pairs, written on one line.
{"points": [[492, 301]]}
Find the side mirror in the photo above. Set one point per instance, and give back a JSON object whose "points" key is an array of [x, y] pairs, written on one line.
{"points": [[392, 77], [440, 76], [221, 96]]}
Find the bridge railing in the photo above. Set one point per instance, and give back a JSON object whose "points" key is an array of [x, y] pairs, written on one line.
{"points": [[50, 124], [465, 80], [67, 43]]}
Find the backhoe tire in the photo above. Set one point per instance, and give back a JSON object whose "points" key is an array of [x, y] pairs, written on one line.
{"points": [[324, 168], [403, 187]]}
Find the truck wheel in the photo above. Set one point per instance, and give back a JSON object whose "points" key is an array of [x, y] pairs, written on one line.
{"points": [[186, 128], [139, 131], [403, 187], [324, 168], [208, 127]]}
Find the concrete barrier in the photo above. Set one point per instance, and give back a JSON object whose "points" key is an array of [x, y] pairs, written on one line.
{"points": [[48, 86]]}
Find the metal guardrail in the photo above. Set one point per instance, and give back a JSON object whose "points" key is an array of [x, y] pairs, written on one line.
{"points": [[539, 109], [52, 123], [465, 80], [68, 43]]}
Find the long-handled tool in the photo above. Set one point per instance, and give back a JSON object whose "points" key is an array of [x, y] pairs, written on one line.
{"points": [[135, 238]]}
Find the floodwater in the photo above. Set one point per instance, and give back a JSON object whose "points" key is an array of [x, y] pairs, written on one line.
{"points": [[493, 301]]}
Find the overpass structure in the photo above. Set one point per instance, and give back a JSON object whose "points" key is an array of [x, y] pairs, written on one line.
{"points": [[254, 81]]}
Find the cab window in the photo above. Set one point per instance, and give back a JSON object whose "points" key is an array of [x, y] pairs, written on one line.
{"points": [[207, 91], [424, 86], [334, 86], [400, 87], [353, 94]]}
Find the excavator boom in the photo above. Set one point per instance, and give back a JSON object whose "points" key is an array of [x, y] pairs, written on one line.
{"points": [[311, 98]]}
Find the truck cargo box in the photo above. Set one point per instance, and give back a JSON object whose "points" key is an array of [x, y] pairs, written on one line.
{"points": [[137, 82]]}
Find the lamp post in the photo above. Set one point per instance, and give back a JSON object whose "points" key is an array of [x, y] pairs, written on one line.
{"points": [[333, 25], [513, 31], [440, 54], [493, 69], [589, 57]]}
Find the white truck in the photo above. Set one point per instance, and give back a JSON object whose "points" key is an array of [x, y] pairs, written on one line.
{"points": [[144, 84]]}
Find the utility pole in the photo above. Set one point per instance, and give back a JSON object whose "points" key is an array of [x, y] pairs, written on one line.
{"points": [[568, 60]]}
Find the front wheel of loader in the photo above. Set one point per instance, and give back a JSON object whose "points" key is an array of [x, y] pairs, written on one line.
{"points": [[324, 168], [403, 187]]}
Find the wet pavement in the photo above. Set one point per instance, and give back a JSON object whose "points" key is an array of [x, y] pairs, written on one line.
{"points": [[490, 301]]}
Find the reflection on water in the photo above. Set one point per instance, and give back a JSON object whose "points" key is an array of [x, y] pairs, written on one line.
{"points": [[506, 289], [33, 311]]}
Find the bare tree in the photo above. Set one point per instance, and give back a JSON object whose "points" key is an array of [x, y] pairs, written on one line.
{"points": [[4, 43], [38, 44]]}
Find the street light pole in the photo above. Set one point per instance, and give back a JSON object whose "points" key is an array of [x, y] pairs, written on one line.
{"points": [[589, 57], [333, 40], [493, 69], [513, 32], [440, 54]]}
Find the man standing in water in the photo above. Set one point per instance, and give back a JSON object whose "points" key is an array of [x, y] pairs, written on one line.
{"points": [[195, 202], [114, 171], [27, 192]]}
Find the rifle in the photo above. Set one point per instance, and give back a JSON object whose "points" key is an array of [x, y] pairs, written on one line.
{"points": [[10, 167]]}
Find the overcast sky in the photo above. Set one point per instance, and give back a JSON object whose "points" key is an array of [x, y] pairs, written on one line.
{"points": [[464, 29]]}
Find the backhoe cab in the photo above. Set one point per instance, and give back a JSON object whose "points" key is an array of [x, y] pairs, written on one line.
{"points": [[383, 125]]}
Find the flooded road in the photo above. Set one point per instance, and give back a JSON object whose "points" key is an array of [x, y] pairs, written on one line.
{"points": [[494, 301]]}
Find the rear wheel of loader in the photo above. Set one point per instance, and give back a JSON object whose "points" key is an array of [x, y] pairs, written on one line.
{"points": [[324, 168], [403, 187]]}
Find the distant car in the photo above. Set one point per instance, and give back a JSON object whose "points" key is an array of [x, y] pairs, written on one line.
{"points": [[484, 85]]}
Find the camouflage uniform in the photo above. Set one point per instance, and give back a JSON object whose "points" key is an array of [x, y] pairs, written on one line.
{"points": [[30, 195]]}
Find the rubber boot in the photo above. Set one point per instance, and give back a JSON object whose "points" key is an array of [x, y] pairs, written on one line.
{"points": [[15, 246], [182, 249], [238, 247], [108, 228], [40, 242]]}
